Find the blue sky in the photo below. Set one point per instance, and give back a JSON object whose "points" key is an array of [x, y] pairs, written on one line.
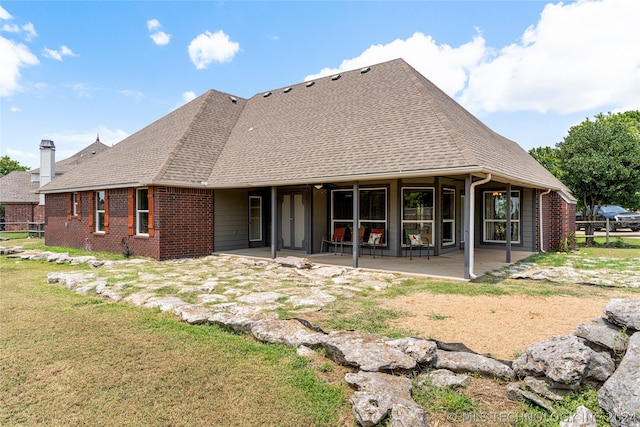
{"points": [[528, 69]]}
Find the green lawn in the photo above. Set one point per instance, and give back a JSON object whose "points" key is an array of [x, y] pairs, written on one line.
{"points": [[70, 360]]}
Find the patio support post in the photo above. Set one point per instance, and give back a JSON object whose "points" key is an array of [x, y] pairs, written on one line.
{"points": [[354, 231], [466, 225], [508, 231], [274, 221]]}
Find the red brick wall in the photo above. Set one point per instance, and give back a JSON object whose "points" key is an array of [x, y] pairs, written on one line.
{"points": [[23, 213], [558, 221], [184, 219], [183, 224]]}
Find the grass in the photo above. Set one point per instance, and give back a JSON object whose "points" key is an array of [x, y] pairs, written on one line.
{"points": [[67, 359]]}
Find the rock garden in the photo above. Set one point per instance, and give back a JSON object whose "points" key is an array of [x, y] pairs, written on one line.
{"points": [[385, 373]]}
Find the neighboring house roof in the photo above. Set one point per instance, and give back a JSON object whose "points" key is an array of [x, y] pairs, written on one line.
{"points": [[21, 186], [17, 187], [383, 121], [81, 156]]}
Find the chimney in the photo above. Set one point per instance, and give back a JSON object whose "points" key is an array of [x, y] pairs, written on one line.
{"points": [[47, 163]]}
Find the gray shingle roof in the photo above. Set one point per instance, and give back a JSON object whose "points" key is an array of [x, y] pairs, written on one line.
{"points": [[17, 187], [387, 122]]}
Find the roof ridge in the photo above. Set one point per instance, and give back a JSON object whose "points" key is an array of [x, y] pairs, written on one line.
{"points": [[453, 133], [172, 155]]}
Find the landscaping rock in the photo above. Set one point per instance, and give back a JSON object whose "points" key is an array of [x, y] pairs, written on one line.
{"points": [[624, 312], [237, 323], [443, 378], [620, 394], [295, 262], [460, 361], [603, 334], [379, 394], [288, 332], [565, 361], [261, 297], [368, 352], [515, 393], [583, 417], [164, 303], [542, 388], [423, 351]]}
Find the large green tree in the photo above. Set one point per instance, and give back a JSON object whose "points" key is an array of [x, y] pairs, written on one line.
{"points": [[8, 165], [548, 157], [600, 161]]}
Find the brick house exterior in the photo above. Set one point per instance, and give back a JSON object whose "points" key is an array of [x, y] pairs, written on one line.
{"points": [[377, 148], [23, 207]]}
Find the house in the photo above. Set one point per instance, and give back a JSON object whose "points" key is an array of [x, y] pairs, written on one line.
{"points": [[23, 206], [376, 148]]}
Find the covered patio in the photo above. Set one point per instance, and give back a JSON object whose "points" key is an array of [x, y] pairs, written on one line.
{"points": [[448, 266]]}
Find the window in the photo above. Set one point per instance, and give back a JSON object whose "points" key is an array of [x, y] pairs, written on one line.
{"points": [[255, 218], [448, 216], [74, 210], [142, 211], [100, 198], [495, 216], [417, 212], [372, 210]]}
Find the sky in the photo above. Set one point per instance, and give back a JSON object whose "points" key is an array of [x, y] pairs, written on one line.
{"points": [[70, 70]]}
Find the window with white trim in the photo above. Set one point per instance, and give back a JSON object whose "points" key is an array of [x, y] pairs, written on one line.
{"points": [[418, 213], [142, 211], [448, 216], [495, 216], [100, 211], [74, 202], [372, 211]]}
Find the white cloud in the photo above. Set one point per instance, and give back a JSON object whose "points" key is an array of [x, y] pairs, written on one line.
{"points": [[186, 97], [579, 56], [15, 109], [446, 66], [57, 54], [135, 94], [4, 14], [13, 57], [209, 47], [19, 153], [153, 24], [159, 37]]}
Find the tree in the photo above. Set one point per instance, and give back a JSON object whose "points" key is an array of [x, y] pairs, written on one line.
{"points": [[8, 165], [600, 161], [548, 157]]}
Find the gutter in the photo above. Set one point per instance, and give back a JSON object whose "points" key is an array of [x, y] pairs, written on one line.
{"points": [[540, 219], [472, 202]]}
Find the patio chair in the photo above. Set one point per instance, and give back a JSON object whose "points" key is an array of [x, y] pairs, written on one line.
{"points": [[337, 239], [415, 240], [375, 240]]}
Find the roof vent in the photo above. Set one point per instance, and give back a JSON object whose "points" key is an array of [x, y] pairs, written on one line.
{"points": [[336, 77], [233, 99], [266, 94], [311, 83], [365, 70], [287, 90]]}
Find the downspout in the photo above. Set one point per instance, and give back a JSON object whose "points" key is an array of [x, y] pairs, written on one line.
{"points": [[540, 219], [472, 203]]}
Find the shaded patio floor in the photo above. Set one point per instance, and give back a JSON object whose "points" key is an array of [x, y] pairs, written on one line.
{"points": [[450, 266]]}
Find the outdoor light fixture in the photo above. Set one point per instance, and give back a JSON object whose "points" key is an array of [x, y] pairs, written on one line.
{"points": [[318, 186]]}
